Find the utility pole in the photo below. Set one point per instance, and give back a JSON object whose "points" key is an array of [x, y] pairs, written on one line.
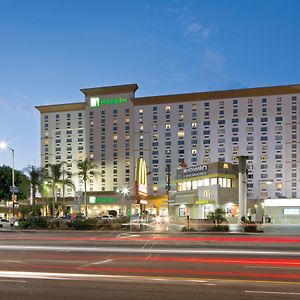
{"points": [[168, 186]]}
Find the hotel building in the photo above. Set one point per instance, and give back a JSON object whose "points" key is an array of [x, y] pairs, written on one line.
{"points": [[114, 128]]}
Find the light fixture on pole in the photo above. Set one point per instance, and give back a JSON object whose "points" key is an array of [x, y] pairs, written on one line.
{"points": [[4, 145]]}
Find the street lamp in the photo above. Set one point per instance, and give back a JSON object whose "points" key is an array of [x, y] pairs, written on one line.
{"points": [[4, 145]]}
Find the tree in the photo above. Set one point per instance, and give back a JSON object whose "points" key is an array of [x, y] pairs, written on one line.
{"points": [[217, 216], [34, 174], [55, 173], [21, 181], [86, 169]]}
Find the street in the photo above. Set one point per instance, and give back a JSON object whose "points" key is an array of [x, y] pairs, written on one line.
{"points": [[133, 265]]}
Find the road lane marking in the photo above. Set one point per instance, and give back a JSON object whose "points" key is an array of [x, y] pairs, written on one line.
{"points": [[269, 267], [76, 276], [102, 262], [126, 235], [12, 280], [269, 292]]}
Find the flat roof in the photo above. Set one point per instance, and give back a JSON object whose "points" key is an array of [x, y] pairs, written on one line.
{"points": [[106, 90], [174, 98], [217, 95], [61, 107]]}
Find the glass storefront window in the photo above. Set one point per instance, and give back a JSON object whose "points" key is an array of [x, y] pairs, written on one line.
{"points": [[206, 182], [195, 185], [213, 181], [228, 182], [184, 186], [179, 187], [200, 182], [188, 185]]}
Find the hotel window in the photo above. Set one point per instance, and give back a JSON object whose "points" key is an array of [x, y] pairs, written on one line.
{"points": [[168, 126], [168, 108], [180, 134], [194, 107]]}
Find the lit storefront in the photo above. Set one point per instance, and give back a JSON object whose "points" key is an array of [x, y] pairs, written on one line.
{"points": [[201, 189], [281, 211]]}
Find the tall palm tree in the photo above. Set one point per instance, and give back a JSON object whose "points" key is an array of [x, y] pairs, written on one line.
{"points": [[44, 180], [57, 176], [86, 168], [34, 179]]}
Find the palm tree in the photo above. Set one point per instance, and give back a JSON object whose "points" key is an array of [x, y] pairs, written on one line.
{"points": [[34, 179], [44, 180], [85, 168], [55, 172]]}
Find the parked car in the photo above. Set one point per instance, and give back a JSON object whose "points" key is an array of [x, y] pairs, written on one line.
{"points": [[108, 218], [5, 224]]}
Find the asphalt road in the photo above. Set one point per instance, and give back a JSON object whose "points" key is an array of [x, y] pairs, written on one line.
{"points": [[105, 265]]}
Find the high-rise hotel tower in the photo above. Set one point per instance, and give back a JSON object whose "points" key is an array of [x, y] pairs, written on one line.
{"points": [[114, 128]]}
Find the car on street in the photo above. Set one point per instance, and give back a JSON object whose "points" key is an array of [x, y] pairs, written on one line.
{"points": [[5, 224]]}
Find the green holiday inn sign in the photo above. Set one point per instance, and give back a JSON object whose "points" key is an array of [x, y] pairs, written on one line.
{"points": [[97, 102], [94, 200]]}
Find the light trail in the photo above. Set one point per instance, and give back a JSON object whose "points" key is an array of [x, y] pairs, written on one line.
{"points": [[178, 251], [230, 239]]}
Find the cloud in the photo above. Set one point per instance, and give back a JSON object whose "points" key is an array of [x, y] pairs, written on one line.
{"points": [[197, 29], [192, 26]]}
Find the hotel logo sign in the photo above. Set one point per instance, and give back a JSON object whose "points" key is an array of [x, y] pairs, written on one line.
{"points": [[97, 102], [195, 171]]}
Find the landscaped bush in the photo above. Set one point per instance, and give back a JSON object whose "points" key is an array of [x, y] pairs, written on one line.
{"points": [[87, 224], [247, 225], [219, 220], [222, 228], [34, 223]]}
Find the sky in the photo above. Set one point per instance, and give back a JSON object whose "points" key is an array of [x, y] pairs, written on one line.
{"points": [[50, 49]]}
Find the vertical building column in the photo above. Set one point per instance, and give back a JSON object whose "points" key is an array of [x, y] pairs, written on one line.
{"points": [[242, 187]]}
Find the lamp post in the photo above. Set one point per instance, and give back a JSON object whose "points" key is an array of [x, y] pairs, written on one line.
{"points": [[4, 145], [63, 191]]}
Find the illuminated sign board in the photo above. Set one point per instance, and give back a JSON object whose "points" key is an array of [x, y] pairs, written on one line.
{"points": [[141, 178], [94, 200], [195, 171], [97, 102]]}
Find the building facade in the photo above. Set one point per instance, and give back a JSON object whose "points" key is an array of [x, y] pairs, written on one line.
{"points": [[114, 128], [203, 188]]}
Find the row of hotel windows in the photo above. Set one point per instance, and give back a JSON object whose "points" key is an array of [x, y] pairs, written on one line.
{"points": [[235, 102], [194, 184], [194, 108]]}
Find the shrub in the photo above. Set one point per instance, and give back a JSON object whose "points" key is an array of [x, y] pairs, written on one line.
{"points": [[222, 228], [34, 223], [247, 225], [87, 224]]}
